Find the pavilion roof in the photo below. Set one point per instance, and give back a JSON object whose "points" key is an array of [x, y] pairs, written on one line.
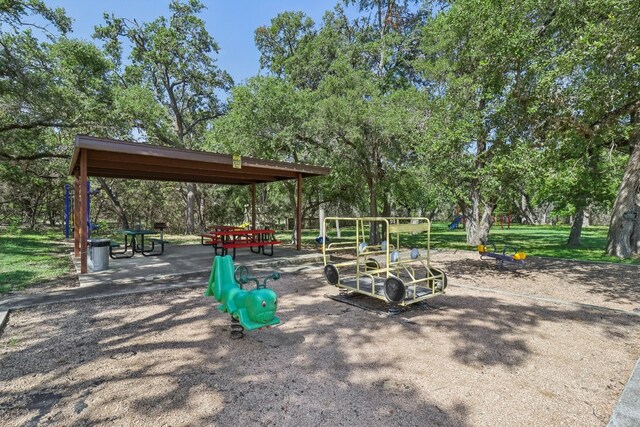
{"points": [[110, 158]]}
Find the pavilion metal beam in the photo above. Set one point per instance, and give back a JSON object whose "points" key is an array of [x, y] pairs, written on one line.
{"points": [[253, 206], [82, 225], [299, 215], [76, 214], [173, 177]]}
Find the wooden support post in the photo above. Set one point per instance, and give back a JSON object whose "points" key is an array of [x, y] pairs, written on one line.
{"points": [[299, 215], [76, 214], [82, 224], [253, 206]]}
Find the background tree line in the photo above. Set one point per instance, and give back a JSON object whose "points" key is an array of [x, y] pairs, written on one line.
{"points": [[418, 107]]}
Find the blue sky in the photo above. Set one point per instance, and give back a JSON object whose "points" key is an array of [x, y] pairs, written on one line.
{"points": [[231, 23]]}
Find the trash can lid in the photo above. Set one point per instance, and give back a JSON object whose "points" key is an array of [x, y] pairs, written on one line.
{"points": [[97, 243]]}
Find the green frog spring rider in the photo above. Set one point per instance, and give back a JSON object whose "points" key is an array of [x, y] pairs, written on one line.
{"points": [[253, 309]]}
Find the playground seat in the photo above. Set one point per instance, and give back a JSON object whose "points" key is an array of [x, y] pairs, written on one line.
{"points": [[508, 254], [320, 240]]}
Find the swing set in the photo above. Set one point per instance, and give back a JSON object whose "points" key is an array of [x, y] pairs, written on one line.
{"points": [[68, 203]]}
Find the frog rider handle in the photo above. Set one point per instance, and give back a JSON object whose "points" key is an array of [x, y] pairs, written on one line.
{"points": [[242, 277]]}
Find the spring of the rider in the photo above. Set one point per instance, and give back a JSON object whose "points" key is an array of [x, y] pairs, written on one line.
{"points": [[237, 331], [394, 310]]}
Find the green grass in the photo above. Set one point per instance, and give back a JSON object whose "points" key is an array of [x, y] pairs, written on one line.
{"points": [[28, 258], [13, 342], [544, 241]]}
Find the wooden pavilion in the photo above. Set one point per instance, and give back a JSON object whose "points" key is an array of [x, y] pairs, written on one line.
{"points": [[108, 158]]}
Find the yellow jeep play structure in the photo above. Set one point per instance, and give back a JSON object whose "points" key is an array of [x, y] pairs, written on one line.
{"points": [[383, 271]]}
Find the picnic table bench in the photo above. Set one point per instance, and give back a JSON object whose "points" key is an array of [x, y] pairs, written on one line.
{"points": [[255, 240], [210, 238]]}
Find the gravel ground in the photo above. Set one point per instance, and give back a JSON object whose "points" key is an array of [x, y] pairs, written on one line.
{"points": [[469, 358], [614, 286]]}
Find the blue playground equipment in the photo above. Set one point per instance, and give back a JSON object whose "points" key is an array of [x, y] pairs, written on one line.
{"points": [[67, 210], [321, 240], [456, 222]]}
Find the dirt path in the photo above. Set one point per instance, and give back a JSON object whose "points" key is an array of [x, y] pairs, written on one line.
{"points": [[467, 358]]}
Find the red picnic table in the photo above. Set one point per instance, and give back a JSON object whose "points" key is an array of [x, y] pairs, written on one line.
{"points": [[226, 237], [210, 238]]}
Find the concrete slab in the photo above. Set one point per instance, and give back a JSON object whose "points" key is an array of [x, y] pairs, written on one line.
{"points": [[627, 410], [190, 279], [180, 261]]}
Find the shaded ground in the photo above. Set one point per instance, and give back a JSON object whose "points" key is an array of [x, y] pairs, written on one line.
{"points": [[609, 285], [467, 358], [67, 280]]}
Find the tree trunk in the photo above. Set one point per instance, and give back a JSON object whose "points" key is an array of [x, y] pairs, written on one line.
{"points": [[525, 211], [544, 214], [432, 214], [51, 217], [191, 207], [477, 224], [291, 192], [624, 230], [116, 203], [586, 219], [202, 209], [34, 211], [52, 210], [576, 228], [373, 211], [386, 212]]}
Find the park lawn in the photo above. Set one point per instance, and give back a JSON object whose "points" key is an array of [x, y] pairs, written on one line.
{"points": [[544, 241], [30, 257]]}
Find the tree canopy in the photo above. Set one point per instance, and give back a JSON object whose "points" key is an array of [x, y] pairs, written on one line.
{"points": [[419, 107]]}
